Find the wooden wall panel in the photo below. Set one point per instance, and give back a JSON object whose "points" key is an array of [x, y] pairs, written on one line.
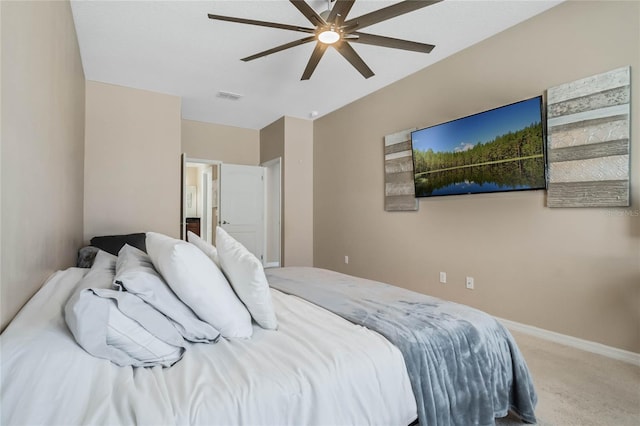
{"points": [[399, 192], [588, 127]]}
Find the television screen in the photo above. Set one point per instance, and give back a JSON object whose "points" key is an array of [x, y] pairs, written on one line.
{"points": [[497, 150]]}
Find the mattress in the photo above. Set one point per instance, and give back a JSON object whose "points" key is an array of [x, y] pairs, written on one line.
{"points": [[316, 369]]}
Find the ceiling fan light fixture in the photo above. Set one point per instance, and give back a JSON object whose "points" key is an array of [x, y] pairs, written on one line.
{"points": [[328, 36]]}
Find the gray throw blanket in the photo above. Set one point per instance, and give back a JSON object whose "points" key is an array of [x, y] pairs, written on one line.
{"points": [[465, 368]]}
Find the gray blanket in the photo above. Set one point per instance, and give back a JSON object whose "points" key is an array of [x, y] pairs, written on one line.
{"points": [[464, 366]]}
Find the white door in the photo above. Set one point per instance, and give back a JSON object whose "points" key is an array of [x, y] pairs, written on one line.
{"points": [[242, 201]]}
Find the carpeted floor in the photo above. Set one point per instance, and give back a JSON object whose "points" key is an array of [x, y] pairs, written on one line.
{"points": [[578, 388]]}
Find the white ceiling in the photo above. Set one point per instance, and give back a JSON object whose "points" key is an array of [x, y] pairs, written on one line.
{"points": [[172, 47]]}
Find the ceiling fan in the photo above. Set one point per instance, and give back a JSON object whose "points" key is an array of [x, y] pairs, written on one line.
{"points": [[333, 29]]}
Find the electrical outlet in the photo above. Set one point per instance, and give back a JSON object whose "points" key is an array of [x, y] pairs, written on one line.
{"points": [[346, 260], [470, 283], [443, 277]]}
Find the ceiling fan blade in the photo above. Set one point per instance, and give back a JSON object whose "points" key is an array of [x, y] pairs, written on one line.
{"points": [[387, 13], [394, 43], [313, 60], [261, 23], [279, 48], [350, 55], [340, 11], [308, 12]]}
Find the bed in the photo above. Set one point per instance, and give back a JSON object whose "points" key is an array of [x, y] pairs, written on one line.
{"points": [[333, 359], [316, 369]]}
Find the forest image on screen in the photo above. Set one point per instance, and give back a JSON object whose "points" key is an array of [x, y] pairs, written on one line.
{"points": [[497, 150]]}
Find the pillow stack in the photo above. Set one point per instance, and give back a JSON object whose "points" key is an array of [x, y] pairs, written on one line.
{"points": [[198, 282], [136, 274], [245, 274], [139, 308]]}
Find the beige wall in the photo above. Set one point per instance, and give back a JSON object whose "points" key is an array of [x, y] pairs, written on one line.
{"points": [[298, 189], [292, 140], [42, 147], [132, 161], [233, 145], [572, 271], [272, 147], [272, 141]]}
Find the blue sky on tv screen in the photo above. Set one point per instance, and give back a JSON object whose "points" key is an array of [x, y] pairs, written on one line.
{"points": [[464, 133]]}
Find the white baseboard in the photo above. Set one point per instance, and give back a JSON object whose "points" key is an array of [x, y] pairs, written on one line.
{"points": [[585, 345]]}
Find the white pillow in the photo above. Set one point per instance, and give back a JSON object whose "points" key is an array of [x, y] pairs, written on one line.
{"points": [[135, 272], [205, 246], [246, 274], [197, 281]]}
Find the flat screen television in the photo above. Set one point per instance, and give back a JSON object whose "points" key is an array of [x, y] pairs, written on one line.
{"points": [[502, 149]]}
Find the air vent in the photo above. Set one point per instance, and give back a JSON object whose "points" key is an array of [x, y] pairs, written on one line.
{"points": [[228, 95]]}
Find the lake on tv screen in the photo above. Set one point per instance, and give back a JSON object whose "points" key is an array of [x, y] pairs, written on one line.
{"points": [[507, 176]]}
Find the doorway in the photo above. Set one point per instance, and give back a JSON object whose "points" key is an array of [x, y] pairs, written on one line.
{"points": [[243, 200], [200, 189]]}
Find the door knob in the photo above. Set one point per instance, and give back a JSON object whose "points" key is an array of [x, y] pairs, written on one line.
{"points": [[224, 222]]}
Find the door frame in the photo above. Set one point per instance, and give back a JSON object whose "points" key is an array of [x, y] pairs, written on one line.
{"points": [[268, 165], [183, 218]]}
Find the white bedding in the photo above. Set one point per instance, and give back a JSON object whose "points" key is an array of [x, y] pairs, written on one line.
{"points": [[317, 368]]}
